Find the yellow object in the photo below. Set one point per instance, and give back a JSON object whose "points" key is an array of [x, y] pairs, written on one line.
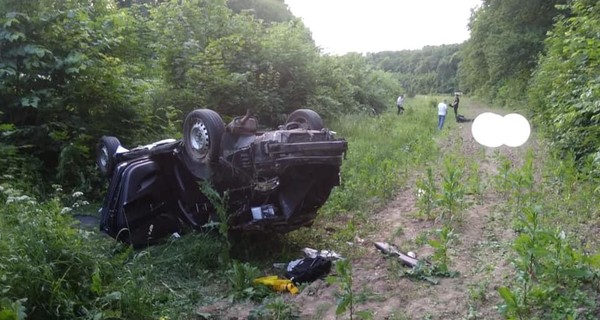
{"points": [[277, 284]]}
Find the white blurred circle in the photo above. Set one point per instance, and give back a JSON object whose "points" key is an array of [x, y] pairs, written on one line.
{"points": [[486, 129], [493, 130], [517, 130]]}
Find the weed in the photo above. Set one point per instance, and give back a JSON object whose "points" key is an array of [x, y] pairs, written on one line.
{"points": [[439, 260], [502, 181], [551, 275], [422, 238], [240, 277], [10, 310], [219, 202], [522, 182], [275, 309], [441, 245], [452, 191], [477, 185], [427, 194], [347, 298]]}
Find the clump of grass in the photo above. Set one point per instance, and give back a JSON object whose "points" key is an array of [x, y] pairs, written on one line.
{"points": [[382, 151]]}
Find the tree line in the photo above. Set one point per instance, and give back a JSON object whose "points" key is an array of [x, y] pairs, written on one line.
{"points": [[540, 57]]}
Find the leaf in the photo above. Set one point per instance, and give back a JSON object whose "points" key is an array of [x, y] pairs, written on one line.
{"points": [[507, 295], [578, 273], [30, 102], [432, 280], [96, 282], [435, 244], [113, 296], [594, 260], [343, 304], [364, 314]]}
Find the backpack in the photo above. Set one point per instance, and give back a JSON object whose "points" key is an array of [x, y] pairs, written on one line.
{"points": [[309, 269]]}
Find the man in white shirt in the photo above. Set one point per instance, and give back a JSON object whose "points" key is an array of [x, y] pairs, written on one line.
{"points": [[442, 110], [400, 104]]}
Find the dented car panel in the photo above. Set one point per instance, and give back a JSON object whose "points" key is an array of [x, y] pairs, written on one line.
{"points": [[274, 181]]}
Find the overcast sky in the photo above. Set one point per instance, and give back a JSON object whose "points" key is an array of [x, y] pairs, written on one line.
{"points": [[341, 26]]}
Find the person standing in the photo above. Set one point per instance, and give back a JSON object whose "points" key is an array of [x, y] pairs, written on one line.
{"points": [[442, 110], [400, 104], [455, 105]]}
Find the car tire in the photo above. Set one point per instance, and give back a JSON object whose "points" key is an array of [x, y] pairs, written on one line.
{"points": [[304, 118], [105, 154], [202, 132]]}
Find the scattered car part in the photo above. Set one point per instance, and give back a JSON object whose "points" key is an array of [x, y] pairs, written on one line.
{"points": [[388, 249]]}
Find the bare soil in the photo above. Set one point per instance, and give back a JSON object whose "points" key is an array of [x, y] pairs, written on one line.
{"points": [[480, 254]]}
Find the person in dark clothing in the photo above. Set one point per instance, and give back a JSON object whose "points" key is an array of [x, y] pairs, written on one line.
{"points": [[455, 105]]}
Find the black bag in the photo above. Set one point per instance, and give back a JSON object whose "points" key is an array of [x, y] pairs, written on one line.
{"points": [[461, 118], [309, 269]]}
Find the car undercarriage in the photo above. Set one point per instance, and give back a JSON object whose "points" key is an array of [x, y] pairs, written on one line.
{"points": [[266, 181]]}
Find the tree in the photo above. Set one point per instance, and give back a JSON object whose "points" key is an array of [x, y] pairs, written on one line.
{"points": [[565, 88], [506, 38], [60, 86], [267, 10], [432, 69]]}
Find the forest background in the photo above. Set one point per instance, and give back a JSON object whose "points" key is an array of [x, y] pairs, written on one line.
{"points": [[74, 70]]}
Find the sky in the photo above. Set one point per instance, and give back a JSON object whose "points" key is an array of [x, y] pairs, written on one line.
{"points": [[342, 26]]}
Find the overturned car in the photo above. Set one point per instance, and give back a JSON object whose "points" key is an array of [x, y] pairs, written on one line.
{"points": [[271, 181]]}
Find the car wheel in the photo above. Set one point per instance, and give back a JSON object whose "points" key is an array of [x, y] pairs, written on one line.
{"points": [[202, 131], [105, 154], [304, 118]]}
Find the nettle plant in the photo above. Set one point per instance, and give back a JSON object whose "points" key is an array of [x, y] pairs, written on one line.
{"points": [[476, 183], [554, 280], [427, 192], [438, 266], [522, 182], [452, 194], [348, 298], [502, 179]]}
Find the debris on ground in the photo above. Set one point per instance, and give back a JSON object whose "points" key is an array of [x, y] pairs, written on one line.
{"points": [[408, 259], [277, 284], [331, 255]]}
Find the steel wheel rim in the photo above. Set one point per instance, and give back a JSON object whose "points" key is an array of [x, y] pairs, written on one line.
{"points": [[199, 141]]}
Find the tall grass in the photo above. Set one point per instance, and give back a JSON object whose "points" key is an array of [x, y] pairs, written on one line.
{"points": [[556, 218], [51, 269], [382, 152]]}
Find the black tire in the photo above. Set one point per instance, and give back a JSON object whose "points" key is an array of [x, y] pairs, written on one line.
{"points": [[105, 154], [202, 132], [304, 118]]}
